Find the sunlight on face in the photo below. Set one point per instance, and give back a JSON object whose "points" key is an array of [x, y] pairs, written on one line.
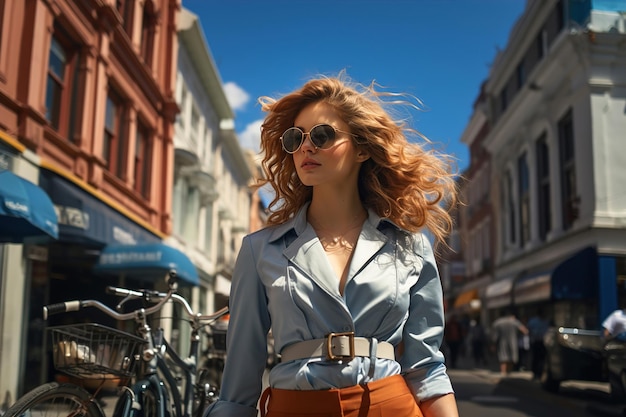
{"points": [[337, 165]]}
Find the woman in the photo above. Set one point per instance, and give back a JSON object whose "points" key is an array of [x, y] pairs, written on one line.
{"points": [[342, 275]]}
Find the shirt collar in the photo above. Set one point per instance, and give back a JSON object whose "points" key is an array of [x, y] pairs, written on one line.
{"points": [[298, 223]]}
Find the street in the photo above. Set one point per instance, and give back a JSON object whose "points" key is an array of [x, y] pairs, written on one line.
{"points": [[484, 393]]}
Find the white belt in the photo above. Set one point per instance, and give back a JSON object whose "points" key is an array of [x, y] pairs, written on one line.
{"points": [[336, 347]]}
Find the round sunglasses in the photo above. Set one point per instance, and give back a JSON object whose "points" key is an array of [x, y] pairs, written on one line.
{"points": [[322, 136]]}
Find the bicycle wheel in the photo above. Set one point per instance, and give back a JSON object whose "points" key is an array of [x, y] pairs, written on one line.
{"points": [[144, 400], [54, 399]]}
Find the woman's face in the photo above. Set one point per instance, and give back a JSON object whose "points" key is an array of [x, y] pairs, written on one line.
{"points": [[337, 165]]}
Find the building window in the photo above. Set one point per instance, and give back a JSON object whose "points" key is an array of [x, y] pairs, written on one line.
{"points": [[114, 146], [181, 117], [543, 187], [504, 101], [148, 25], [569, 198], [194, 128], [524, 199], [125, 9], [541, 44], [61, 88], [509, 205], [143, 152], [520, 75], [208, 235]]}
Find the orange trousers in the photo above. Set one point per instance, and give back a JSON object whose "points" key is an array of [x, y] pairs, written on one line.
{"points": [[388, 397]]}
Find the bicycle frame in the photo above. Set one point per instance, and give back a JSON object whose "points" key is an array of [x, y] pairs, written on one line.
{"points": [[154, 380], [154, 360]]}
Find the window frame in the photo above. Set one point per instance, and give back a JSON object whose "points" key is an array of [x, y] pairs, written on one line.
{"points": [[523, 189], [114, 149], [143, 159], [567, 170], [544, 207], [62, 112]]}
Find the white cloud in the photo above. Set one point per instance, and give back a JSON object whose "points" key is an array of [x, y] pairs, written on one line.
{"points": [[250, 138], [237, 97]]}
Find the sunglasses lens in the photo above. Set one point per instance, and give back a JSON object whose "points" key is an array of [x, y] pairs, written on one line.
{"points": [[292, 138], [322, 136]]}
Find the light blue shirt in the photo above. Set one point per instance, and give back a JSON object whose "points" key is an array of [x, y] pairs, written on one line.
{"points": [[282, 279]]}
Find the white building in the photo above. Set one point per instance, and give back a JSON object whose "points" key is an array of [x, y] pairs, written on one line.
{"points": [[211, 197], [555, 103]]}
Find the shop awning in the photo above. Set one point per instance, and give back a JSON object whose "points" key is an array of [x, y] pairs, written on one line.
{"points": [[151, 260], [85, 219], [467, 300], [575, 278], [533, 288], [498, 293], [26, 211]]}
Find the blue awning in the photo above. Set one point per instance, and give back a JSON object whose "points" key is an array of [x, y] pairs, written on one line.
{"points": [[577, 277], [572, 278], [26, 211], [85, 219], [151, 260]]}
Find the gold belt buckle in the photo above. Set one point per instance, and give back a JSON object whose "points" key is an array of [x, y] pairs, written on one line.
{"points": [[329, 346]]}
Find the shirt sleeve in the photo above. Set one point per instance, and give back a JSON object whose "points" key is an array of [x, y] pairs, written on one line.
{"points": [[608, 322], [423, 362], [246, 340]]}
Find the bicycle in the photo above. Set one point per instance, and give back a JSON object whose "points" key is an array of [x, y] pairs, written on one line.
{"points": [[155, 381]]}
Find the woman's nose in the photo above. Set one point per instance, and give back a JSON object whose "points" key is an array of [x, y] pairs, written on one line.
{"points": [[307, 143]]}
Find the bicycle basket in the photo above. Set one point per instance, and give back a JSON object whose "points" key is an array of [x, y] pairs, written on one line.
{"points": [[94, 351]]}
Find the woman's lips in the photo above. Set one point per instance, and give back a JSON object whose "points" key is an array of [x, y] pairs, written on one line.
{"points": [[309, 163]]}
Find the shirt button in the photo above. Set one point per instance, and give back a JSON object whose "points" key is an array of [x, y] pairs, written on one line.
{"points": [[347, 328]]}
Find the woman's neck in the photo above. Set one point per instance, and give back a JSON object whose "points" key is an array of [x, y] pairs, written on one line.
{"points": [[336, 215]]}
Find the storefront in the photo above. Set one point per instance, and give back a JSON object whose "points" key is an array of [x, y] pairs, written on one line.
{"points": [[567, 290], [98, 245], [467, 302], [499, 296], [27, 219]]}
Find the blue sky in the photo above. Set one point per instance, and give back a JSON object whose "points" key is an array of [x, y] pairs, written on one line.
{"points": [[440, 51]]}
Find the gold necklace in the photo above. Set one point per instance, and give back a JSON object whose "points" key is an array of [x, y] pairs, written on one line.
{"points": [[331, 241]]}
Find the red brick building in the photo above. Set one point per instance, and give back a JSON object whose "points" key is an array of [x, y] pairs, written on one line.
{"points": [[87, 112]]}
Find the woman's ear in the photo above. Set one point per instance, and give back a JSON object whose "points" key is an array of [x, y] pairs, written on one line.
{"points": [[362, 155]]}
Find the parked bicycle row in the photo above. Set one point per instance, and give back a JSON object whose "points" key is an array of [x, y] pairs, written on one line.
{"points": [[148, 375]]}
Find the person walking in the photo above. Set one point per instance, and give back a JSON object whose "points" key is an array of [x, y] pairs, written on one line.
{"points": [[343, 274], [478, 338], [453, 337], [523, 349], [506, 330], [537, 328], [615, 323]]}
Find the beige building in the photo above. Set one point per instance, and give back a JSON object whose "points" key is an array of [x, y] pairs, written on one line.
{"points": [[552, 119], [211, 186]]}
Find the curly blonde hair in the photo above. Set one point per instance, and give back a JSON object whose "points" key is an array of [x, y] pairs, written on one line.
{"points": [[403, 181]]}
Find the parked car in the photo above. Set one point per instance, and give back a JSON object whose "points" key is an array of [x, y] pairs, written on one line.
{"points": [[615, 352], [573, 353], [580, 354]]}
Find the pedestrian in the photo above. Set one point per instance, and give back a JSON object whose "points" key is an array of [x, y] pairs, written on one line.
{"points": [[505, 331], [478, 338], [615, 323], [537, 327], [523, 349], [453, 337], [343, 273]]}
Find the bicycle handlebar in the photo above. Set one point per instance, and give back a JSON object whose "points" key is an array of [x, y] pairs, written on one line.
{"points": [[155, 295], [76, 305], [148, 295]]}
